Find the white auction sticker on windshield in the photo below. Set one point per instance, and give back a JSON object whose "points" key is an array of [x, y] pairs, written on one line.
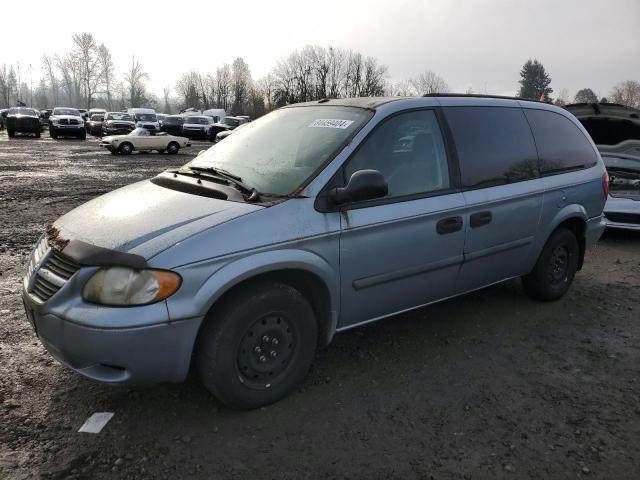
{"points": [[330, 123]]}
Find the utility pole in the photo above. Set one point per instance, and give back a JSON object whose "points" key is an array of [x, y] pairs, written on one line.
{"points": [[30, 87], [19, 83]]}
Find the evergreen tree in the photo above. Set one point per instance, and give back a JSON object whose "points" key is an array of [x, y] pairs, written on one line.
{"points": [[535, 82], [586, 95]]}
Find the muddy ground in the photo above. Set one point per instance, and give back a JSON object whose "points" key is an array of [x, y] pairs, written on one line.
{"points": [[490, 385]]}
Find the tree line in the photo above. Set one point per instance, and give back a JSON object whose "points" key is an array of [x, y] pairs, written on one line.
{"points": [[535, 84], [86, 77]]}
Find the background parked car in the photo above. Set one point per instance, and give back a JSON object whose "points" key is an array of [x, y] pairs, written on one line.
{"points": [[117, 123], [228, 123], [172, 124], [94, 125], [161, 117], [23, 120], [141, 140], [225, 133], [217, 114], [145, 118], [66, 122], [615, 129], [197, 126], [44, 117], [3, 117]]}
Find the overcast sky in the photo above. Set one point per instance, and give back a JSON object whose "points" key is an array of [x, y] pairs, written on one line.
{"points": [[472, 43]]}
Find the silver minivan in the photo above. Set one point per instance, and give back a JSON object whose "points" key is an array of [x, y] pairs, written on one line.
{"points": [[314, 219]]}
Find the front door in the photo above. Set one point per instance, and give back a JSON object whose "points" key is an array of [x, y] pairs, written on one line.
{"points": [[403, 250]]}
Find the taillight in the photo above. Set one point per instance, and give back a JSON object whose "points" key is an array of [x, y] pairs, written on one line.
{"points": [[605, 184]]}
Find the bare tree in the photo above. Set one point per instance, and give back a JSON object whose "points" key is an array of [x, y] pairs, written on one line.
{"points": [[89, 65], [187, 88], [428, 82], [166, 91], [107, 72], [241, 84], [49, 69], [222, 84], [134, 79], [69, 68], [626, 93], [563, 98], [8, 85]]}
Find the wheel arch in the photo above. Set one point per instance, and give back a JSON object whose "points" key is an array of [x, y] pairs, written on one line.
{"points": [[303, 270], [574, 218]]}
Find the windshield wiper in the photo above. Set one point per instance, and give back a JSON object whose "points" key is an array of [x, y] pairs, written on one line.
{"points": [[254, 195]]}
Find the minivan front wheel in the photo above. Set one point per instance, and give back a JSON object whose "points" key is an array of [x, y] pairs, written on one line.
{"points": [[257, 348], [556, 267]]}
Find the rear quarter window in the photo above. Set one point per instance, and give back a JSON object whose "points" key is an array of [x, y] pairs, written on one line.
{"points": [[561, 144], [494, 145]]}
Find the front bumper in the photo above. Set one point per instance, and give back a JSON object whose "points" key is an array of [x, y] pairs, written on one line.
{"points": [[622, 213], [159, 352]]}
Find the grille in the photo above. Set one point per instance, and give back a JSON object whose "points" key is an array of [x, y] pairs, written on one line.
{"points": [[60, 265], [623, 217], [55, 270], [43, 289], [66, 121]]}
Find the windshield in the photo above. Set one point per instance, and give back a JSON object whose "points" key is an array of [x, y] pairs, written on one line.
{"points": [[66, 111], [139, 132], [632, 163], [173, 121], [22, 111], [120, 116], [96, 118], [145, 117], [278, 152], [232, 122], [198, 120]]}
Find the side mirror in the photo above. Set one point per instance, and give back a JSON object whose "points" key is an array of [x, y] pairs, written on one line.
{"points": [[363, 185]]}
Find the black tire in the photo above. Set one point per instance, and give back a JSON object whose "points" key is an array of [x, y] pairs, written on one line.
{"points": [[52, 133], [257, 347], [161, 151], [11, 133], [173, 148], [38, 135], [125, 148], [82, 135], [556, 267]]}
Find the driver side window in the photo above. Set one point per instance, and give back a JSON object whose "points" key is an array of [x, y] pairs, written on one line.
{"points": [[408, 149]]}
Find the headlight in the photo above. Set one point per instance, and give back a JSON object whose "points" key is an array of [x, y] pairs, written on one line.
{"points": [[123, 287]]}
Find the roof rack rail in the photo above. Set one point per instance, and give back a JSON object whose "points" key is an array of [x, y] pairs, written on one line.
{"points": [[477, 95]]}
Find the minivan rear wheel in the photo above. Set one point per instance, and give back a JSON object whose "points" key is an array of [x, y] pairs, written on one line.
{"points": [[556, 267], [257, 347]]}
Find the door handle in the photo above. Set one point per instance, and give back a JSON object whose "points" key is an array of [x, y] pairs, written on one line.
{"points": [[481, 218], [449, 225]]}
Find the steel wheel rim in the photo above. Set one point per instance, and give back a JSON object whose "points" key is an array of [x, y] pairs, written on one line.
{"points": [[559, 265], [266, 351]]}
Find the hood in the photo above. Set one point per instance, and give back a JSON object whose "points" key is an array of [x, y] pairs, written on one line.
{"points": [[145, 219], [119, 122], [21, 115], [65, 117]]}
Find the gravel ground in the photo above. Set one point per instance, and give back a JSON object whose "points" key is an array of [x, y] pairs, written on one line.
{"points": [[489, 385]]}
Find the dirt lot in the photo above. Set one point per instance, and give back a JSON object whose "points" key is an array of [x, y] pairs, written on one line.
{"points": [[490, 385]]}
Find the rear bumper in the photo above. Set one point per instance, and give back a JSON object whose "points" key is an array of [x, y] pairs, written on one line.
{"points": [[594, 230], [149, 354]]}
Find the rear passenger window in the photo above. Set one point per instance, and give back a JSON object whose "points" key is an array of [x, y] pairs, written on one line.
{"points": [[494, 145], [561, 144], [408, 149]]}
